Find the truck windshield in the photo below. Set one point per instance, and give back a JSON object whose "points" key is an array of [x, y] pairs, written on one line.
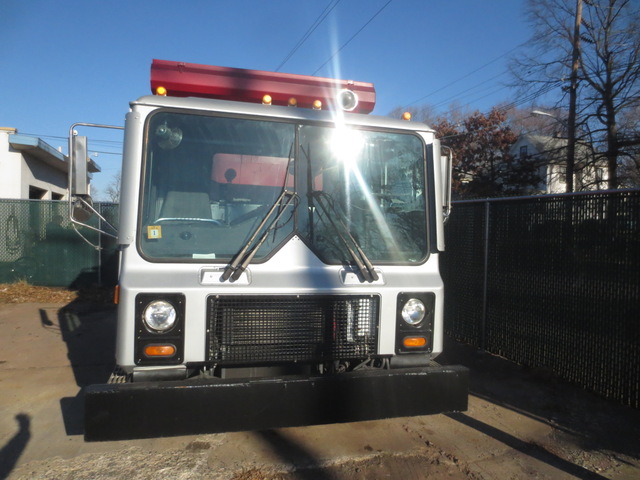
{"points": [[209, 182]]}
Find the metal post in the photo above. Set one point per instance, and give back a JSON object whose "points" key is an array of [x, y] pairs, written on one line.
{"points": [[485, 279], [99, 249], [573, 92]]}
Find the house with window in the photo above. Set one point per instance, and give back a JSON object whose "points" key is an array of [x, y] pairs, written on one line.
{"points": [[32, 169], [550, 154]]}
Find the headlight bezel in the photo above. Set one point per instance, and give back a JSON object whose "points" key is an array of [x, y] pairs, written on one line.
{"points": [[418, 327], [146, 336]]}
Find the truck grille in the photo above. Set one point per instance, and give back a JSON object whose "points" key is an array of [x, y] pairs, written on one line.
{"points": [[291, 328]]}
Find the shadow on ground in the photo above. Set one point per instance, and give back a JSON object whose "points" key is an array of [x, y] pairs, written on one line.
{"points": [[88, 328], [590, 422], [11, 452]]}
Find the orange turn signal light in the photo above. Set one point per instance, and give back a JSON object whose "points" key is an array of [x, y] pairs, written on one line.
{"points": [[414, 342], [159, 350]]}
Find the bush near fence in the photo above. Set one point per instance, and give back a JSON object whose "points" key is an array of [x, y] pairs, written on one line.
{"points": [[551, 282]]}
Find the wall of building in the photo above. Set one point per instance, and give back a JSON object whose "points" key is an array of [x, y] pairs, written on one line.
{"points": [[10, 166], [30, 168]]}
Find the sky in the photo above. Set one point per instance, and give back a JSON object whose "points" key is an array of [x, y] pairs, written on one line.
{"points": [[72, 61]]}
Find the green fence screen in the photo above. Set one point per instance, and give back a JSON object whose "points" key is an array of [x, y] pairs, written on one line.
{"points": [[39, 244]]}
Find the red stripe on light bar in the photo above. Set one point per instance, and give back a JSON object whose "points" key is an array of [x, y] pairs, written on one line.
{"points": [[194, 80]]}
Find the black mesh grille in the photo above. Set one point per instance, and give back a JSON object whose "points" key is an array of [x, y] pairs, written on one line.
{"points": [[265, 329]]}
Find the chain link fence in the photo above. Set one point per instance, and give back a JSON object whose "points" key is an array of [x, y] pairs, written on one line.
{"points": [[39, 244], [551, 282]]}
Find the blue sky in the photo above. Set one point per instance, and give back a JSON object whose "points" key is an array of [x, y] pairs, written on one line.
{"points": [[83, 61]]}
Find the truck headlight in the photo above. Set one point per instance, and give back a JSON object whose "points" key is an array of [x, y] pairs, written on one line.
{"points": [[413, 311], [159, 316]]}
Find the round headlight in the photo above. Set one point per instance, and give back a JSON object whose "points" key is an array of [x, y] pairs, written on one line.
{"points": [[159, 316], [413, 311]]}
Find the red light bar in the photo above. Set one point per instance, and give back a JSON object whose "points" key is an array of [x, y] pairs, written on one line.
{"points": [[193, 80]]}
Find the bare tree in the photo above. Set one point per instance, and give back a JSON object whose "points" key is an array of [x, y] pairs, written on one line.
{"points": [[523, 120], [608, 76], [113, 189], [611, 68]]}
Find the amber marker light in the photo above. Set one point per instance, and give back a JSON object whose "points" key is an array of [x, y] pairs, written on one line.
{"points": [[161, 91], [317, 105], [293, 102], [406, 116], [266, 100], [159, 350], [414, 342], [116, 295]]}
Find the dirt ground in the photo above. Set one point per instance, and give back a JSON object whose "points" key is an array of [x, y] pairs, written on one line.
{"points": [[521, 423]]}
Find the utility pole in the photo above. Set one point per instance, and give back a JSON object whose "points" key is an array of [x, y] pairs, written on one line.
{"points": [[573, 93]]}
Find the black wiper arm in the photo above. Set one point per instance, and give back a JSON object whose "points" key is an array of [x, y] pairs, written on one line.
{"points": [[239, 263], [361, 260]]}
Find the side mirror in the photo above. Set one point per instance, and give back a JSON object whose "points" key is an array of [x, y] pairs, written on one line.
{"points": [[82, 208], [79, 155], [80, 203]]}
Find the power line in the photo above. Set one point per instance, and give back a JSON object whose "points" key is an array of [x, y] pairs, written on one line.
{"points": [[330, 6], [466, 76], [470, 91], [352, 37], [490, 62]]}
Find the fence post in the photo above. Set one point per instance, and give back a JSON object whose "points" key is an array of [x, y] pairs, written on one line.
{"points": [[485, 278], [99, 249]]}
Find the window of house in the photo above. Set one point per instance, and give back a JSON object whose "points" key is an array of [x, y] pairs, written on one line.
{"points": [[562, 173], [524, 151]]}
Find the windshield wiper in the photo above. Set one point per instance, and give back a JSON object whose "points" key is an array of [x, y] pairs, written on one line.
{"points": [[361, 260], [242, 259]]}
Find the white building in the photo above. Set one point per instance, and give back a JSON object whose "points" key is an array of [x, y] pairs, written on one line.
{"points": [[550, 153], [32, 169]]}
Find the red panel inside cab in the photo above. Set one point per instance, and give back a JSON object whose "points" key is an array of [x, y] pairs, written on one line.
{"points": [[250, 170]]}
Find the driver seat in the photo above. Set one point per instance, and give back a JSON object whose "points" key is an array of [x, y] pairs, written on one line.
{"points": [[179, 204]]}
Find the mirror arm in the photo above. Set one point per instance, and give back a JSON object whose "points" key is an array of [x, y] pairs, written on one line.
{"points": [[446, 184], [78, 197]]}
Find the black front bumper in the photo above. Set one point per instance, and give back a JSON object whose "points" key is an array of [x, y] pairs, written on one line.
{"points": [[157, 409]]}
